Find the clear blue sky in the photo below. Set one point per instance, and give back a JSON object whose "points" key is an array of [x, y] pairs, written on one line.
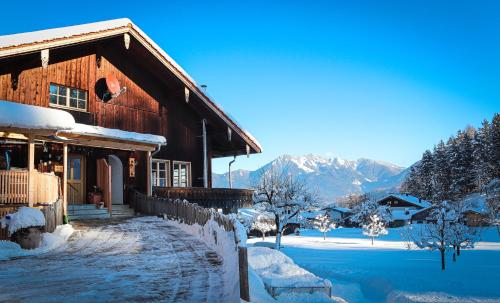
{"points": [[382, 80]]}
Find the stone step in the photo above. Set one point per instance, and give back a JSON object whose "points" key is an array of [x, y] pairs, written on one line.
{"points": [[94, 211], [81, 206], [88, 217]]}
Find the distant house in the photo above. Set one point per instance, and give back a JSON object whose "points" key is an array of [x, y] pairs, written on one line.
{"points": [[474, 211], [338, 214], [403, 207]]}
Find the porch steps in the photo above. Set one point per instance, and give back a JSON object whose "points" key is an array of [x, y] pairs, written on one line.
{"points": [[121, 211], [86, 212]]}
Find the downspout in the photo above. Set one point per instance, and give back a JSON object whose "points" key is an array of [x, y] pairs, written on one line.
{"points": [[229, 175], [205, 160]]}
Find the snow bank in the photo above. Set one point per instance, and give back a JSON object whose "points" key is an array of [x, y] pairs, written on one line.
{"points": [[278, 270], [18, 115], [224, 243], [50, 241], [24, 217]]}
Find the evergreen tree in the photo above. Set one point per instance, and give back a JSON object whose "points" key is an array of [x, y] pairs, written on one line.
{"points": [[426, 176], [495, 147], [482, 155], [411, 185], [441, 173], [458, 169]]}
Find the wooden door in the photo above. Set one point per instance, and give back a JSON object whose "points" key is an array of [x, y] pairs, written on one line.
{"points": [[104, 181], [76, 179]]}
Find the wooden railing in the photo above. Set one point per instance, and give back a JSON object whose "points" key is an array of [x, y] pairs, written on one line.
{"points": [[46, 187], [224, 198], [14, 187]]}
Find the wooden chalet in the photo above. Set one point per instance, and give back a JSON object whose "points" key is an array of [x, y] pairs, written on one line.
{"points": [[402, 207], [89, 111]]}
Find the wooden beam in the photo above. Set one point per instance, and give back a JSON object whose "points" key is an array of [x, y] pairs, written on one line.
{"points": [[65, 179], [31, 168]]}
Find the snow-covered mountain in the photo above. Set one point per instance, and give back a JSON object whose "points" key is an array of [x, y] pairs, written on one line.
{"points": [[333, 177]]}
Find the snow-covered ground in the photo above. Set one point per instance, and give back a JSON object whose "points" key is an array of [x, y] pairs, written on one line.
{"points": [[144, 259], [388, 271]]}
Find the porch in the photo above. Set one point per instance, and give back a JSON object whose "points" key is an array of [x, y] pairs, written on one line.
{"points": [[227, 199]]}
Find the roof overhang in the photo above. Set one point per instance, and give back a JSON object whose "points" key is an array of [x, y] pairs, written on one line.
{"points": [[31, 42], [21, 121]]}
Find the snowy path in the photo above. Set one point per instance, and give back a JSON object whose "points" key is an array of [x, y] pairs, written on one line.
{"points": [[141, 259]]}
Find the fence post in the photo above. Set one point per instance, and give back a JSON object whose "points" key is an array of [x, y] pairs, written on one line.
{"points": [[243, 269]]}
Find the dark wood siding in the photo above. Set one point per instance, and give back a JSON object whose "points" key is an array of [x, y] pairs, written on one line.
{"points": [[151, 104]]}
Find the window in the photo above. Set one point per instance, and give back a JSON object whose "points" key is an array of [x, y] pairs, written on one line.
{"points": [[63, 96], [160, 171], [181, 174]]}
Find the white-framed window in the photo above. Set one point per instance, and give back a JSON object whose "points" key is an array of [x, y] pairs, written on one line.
{"points": [[160, 171], [181, 174], [63, 96]]}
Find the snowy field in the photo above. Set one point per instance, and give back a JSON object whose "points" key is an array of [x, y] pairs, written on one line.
{"points": [[389, 272]]}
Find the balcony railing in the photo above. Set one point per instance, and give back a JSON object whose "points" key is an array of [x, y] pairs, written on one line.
{"points": [[14, 187], [225, 198]]}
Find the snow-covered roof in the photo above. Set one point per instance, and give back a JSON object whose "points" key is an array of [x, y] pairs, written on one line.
{"points": [[17, 115], [339, 209], [117, 134], [22, 116], [410, 199], [57, 37]]}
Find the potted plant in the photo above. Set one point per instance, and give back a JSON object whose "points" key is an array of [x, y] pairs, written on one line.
{"points": [[95, 196]]}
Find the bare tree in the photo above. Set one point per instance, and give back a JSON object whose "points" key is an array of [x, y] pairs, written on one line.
{"points": [[285, 196], [263, 224], [323, 223]]}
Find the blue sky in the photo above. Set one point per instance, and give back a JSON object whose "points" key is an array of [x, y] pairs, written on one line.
{"points": [[382, 80]]}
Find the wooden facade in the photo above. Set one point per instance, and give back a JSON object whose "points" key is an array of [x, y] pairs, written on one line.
{"points": [[158, 100]]}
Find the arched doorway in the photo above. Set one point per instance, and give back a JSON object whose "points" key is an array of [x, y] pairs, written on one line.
{"points": [[116, 179]]}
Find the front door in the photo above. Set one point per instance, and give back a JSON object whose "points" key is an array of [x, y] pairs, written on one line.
{"points": [[76, 179]]}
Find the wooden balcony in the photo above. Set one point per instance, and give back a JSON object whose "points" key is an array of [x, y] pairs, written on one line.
{"points": [[227, 199]]}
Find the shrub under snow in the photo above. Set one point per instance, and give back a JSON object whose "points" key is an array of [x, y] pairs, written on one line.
{"points": [[24, 217]]}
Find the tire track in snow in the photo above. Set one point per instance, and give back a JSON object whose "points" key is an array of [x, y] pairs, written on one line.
{"points": [[134, 260]]}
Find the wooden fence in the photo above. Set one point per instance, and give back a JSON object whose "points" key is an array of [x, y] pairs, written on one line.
{"points": [[225, 198], [46, 187], [191, 213], [53, 215], [14, 187]]}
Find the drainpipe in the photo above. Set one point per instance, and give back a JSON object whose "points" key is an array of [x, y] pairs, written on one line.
{"points": [[229, 175], [205, 160]]}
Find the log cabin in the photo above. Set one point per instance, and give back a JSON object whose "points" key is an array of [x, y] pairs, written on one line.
{"points": [[89, 112]]}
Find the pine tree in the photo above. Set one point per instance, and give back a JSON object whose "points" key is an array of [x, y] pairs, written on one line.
{"points": [[411, 185], [441, 173], [426, 176], [495, 147], [482, 155]]}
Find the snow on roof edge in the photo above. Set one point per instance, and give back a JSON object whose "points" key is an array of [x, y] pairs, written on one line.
{"points": [[84, 129], [18, 115]]}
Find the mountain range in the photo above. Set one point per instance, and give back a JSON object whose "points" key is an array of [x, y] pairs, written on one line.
{"points": [[332, 177]]}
